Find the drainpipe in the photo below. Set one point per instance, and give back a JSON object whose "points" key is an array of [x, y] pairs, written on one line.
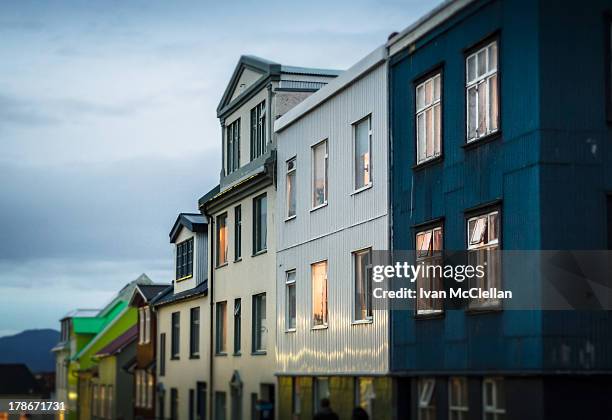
{"points": [[211, 283]]}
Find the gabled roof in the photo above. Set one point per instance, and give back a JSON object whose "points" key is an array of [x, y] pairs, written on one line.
{"points": [[267, 69], [118, 344], [195, 222], [17, 380], [167, 296], [147, 292]]}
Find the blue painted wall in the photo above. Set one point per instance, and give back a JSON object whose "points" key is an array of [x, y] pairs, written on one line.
{"points": [[540, 168]]}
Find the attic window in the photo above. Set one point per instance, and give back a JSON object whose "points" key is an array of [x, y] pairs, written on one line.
{"points": [[184, 259], [258, 130]]}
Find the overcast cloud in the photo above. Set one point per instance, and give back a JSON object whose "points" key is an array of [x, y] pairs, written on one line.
{"points": [[108, 128]]}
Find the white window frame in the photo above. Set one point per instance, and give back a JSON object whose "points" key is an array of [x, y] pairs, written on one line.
{"points": [[429, 256], [484, 79], [290, 284], [458, 411], [433, 106], [494, 409], [426, 394], [326, 171], [354, 125], [325, 323], [141, 328], [291, 170], [485, 244], [369, 318], [147, 325]]}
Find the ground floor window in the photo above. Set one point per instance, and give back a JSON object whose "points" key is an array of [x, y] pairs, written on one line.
{"points": [[427, 399], [364, 394], [220, 405], [493, 399], [458, 398]]}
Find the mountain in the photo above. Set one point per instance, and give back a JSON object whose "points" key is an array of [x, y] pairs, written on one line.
{"points": [[32, 347]]}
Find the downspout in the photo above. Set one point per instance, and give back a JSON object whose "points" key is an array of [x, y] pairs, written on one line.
{"points": [[211, 223]]}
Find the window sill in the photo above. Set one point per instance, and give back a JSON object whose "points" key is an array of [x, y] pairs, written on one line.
{"points": [[238, 260], [258, 253], [236, 354], [484, 309], [194, 356], [364, 188], [482, 140], [175, 358], [427, 163], [259, 353], [221, 265], [221, 354], [290, 330], [363, 321], [319, 327], [184, 278], [429, 315], [320, 206], [290, 218]]}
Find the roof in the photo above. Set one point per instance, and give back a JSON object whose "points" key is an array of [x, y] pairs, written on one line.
{"points": [[195, 222], [267, 69], [17, 380], [168, 296], [118, 344], [425, 24], [93, 325], [81, 313], [363, 66], [210, 194]]}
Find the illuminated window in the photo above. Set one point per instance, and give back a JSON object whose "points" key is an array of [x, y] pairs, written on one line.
{"points": [[483, 250], [482, 85], [362, 139], [364, 394], [429, 253], [221, 239], [319, 294]]}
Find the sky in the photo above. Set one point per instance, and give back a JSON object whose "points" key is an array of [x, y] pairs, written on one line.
{"points": [[108, 128]]}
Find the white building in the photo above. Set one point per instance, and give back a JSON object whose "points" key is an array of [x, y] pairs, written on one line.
{"points": [[332, 212], [242, 218]]}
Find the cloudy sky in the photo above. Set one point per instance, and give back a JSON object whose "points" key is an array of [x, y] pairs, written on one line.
{"points": [[108, 128]]}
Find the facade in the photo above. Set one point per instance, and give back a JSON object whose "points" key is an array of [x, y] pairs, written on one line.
{"points": [[112, 385], [332, 213], [181, 313], [242, 218], [143, 367], [491, 150]]}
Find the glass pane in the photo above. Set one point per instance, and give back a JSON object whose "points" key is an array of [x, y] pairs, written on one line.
{"points": [[488, 394], [482, 62], [472, 113], [493, 226], [362, 154], [493, 57], [482, 108], [430, 135], [291, 306], [437, 240], [319, 187], [494, 104], [291, 197], [437, 88], [428, 92], [471, 68], [420, 94], [421, 136], [319, 293], [437, 130]]}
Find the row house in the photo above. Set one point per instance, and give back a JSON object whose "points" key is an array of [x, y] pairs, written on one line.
{"points": [[331, 215], [500, 135], [242, 220], [181, 317]]}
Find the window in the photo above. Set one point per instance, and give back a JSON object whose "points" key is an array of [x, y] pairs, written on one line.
{"points": [[458, 398], [194, 333], [362, 275], [144, 325], [260, 230], [483, 249], [364, 394], [221, 239], [290, 301], [147, 313], [220, 405], [138, 379], [429, 245], [162, 354], [94, 404], [110, 401], [141, 326], [232, 148], [260, 328], [221, 339], [174, 401], [427, 399], [184, 259], [319, 174], [176, 337], [362, 143], [482, 96], [150, 388], [191, 404], [258, 130], [296, 397], [237, 325], [237, 233], [321, 391], [319, 294], [493, 399], [429, 118], [291, 197]]}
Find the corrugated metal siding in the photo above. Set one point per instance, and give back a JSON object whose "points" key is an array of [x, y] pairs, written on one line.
{"points": [[202, 257], [349, 222]]}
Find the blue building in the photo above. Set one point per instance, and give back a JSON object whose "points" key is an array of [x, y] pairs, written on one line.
{"points": [[500, 120]]}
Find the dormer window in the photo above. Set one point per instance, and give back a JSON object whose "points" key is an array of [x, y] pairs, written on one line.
{"points": [[232, 149], [258, 130], [184, 259]]}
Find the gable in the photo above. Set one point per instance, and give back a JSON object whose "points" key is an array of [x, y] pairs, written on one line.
{"points": [[247, 78]]}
